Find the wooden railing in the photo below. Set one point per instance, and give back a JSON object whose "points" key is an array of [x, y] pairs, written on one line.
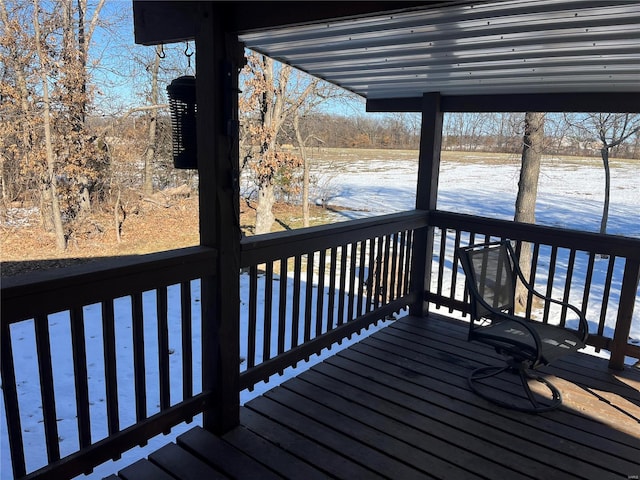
{"points": [[309, 290], [85, 327], [306, 290], [89, 324], [596, 272]]}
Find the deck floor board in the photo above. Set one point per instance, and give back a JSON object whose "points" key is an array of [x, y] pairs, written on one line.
{"points": [[397, 405]]}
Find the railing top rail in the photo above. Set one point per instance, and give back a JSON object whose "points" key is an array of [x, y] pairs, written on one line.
{"points": [[559, 237], [41, 293], [271, 246]]}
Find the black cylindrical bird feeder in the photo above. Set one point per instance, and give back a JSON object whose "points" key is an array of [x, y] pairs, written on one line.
{"points": [[182, 104]]}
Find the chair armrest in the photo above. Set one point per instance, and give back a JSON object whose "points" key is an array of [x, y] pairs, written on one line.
{"points": [[583, 328]]}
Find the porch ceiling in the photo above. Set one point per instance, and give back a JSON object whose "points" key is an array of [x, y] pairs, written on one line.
{"points": [[503, 47]]}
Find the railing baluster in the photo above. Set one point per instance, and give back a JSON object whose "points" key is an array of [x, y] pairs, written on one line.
{"points": [[295, 316], [343, 283], [371, 281], [362, 245], [139, 368], [79, 355], [441, 263], [268, 311], [454, 268], [393, 258], [408, 260], [550, 278], [332, 288], [352, 280], [532, 277], [187, 349], [567, 286], [320, 292], [10, 396], [110, 369], [378, 271], [282, 304], [465, 295], [401, 256], [252, 320], [605, 295], [587, 282], [163, 348], [385, 269], [308, 297]]}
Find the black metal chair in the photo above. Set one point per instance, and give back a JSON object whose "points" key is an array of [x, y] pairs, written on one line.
{"points": [[491, 271]]}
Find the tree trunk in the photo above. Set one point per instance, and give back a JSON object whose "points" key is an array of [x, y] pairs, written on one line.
{"points": [[2, 179], [61, 242], [264, 209], [305, 176], [604, 151], [528, 191], [46, 215], [150, 154], [84, 200]]}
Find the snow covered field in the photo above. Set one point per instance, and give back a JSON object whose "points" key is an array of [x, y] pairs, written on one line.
{"points": [[377, 187], [369, 188]]}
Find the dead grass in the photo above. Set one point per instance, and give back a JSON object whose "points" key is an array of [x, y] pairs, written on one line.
{"points": [[148, 228], [484, 158]]}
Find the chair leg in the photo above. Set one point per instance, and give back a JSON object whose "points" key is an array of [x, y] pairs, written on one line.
{"points": [[524, 375]]}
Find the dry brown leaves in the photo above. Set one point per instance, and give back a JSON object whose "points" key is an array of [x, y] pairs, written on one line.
{"points": [[149, 227]]}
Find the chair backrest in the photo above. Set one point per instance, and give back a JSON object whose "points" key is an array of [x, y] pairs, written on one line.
{"points": [[489, 269]]}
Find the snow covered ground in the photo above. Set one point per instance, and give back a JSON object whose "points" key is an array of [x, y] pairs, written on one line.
{"points": [[369, 188]]}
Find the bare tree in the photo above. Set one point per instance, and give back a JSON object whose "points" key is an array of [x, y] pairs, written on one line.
{"points": [[52, 89], [273, 96], [302, 146], [51, 179], [154, 99], [611, 130], [319, 94]]}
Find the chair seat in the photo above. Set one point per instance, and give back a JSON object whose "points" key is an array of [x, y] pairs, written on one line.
{"points": [[512, 338]]}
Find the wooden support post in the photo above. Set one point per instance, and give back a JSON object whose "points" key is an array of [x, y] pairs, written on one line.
{"points": [[426, 197], [628, 291], [217, 63]]}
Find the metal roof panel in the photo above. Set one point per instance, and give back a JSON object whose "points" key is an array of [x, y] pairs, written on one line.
{"points": [[516, 46]]}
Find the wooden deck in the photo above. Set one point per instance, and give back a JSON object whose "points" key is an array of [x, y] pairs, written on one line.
{"points": [[397, 405]]}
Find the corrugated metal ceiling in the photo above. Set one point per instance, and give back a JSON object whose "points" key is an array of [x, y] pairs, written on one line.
{"points": [[528, 46]]}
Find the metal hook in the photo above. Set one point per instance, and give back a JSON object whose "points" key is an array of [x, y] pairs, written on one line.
{"points": [[188, 55], [161, 53]]}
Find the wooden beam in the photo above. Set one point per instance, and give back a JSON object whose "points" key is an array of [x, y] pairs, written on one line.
{"points": [[426, 197], [217, 66], [274, 14], [606, 102], [162, 21], [166, 21]]}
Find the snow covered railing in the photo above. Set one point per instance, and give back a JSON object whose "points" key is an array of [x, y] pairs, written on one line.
{"points": [[309, 289], [597, 272], [86, 350]]}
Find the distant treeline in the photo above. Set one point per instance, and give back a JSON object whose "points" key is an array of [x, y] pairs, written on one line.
{"points": [[489, 132]]}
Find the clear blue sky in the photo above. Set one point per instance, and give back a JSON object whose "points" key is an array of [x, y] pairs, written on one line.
{"points": [[121, 78]]}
